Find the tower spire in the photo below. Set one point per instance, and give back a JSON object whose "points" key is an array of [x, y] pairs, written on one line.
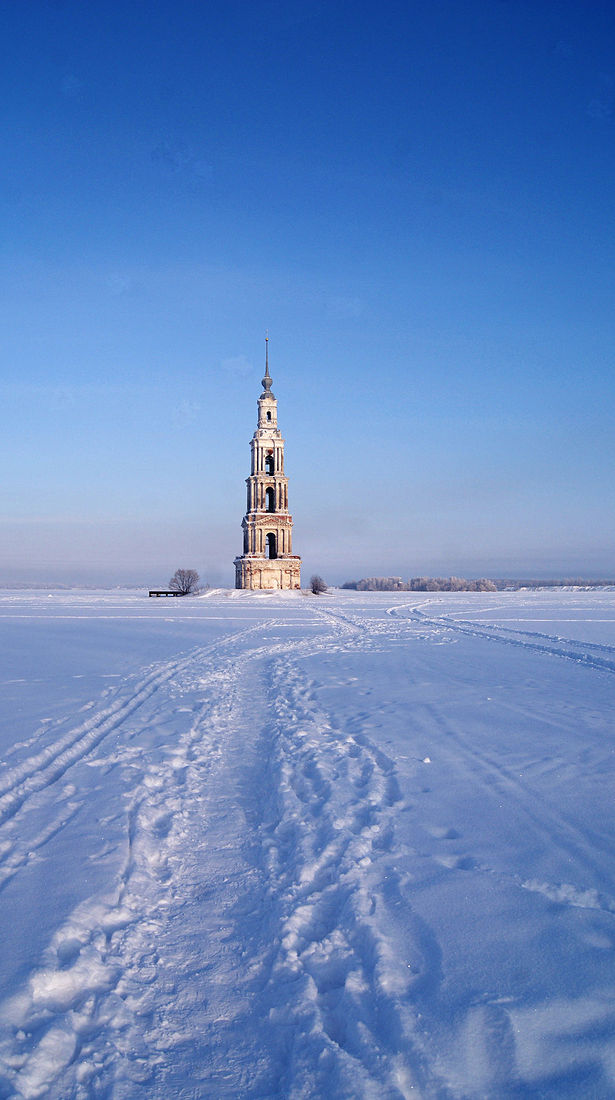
{"points": [[267, 380]]}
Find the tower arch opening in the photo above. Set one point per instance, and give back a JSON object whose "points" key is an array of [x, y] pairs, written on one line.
{"points": [[269, 464], [270, 500], [272, 546]]}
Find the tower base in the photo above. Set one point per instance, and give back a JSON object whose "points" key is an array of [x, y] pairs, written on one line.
{"points": [[260, 573]]}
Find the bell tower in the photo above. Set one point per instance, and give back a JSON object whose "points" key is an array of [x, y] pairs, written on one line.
{"points": [[267, 561]]}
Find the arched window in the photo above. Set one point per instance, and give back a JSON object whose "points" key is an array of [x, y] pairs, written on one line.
{"points": [[269, 464], [272, 550], [268, 414], [270, 500]]}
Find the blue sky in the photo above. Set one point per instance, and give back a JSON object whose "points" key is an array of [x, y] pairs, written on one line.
{"points": [[416, 200]]}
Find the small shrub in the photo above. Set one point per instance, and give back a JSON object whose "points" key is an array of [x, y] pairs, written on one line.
{"points": [[317, 585]]}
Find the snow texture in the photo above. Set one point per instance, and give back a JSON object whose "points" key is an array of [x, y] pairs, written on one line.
{"points": [[277, 845]]}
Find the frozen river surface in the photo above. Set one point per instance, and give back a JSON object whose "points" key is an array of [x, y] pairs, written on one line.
{"points": [[261, 846]]}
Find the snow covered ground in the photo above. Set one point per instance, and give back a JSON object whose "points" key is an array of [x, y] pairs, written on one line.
{"points": [[361, 845]]}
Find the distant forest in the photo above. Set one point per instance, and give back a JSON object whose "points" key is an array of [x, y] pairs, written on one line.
{"points": [[460, 584]]}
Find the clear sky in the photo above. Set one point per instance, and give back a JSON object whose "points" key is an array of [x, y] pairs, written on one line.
{"points": [[415, 199]]}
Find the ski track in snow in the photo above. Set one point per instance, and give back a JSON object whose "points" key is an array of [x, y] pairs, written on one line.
{"points": [[20, 784], [315, 966], [590, 654]]}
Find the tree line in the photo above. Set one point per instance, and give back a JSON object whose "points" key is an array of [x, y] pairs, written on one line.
{"points": [[421, 584], [461, 584]]}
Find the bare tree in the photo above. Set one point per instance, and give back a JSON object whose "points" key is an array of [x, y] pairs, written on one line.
{"points": [[184, 581], [317, 585]]}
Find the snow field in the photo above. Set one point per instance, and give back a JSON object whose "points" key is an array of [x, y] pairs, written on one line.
{"points": [[356, 846]]}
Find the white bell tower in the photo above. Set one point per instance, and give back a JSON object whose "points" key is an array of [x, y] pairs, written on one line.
{"points": [[267, 561]]}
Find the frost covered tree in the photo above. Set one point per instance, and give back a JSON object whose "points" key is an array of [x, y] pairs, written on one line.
{"points": [[317, 585], [184, 581]]}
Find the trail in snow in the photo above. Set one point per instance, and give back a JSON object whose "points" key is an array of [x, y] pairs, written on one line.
{"points": [[325, 836], [593, 654], [329, 854], [45, 767]]}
